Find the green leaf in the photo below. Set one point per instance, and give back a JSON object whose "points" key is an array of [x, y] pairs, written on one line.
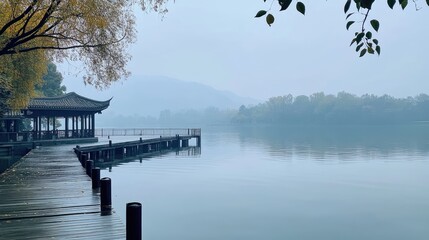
{"points": [[375, 41], [300, 7], [353, 41], [368, 35], [391, 3], [370, 50], [404, 3], [260, 13], [427, 2], [349, 24], [270, 19], [362, 52], [284, 4], [378, 50], [359, 47], [347, 6], [348, 15], [375, 24], [359, 37], [366, 3]]}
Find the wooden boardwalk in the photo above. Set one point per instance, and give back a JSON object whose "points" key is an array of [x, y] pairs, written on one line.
{"points": [[47, 195]]}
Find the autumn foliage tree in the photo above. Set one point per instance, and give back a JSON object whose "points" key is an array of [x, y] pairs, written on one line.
{"points": [[95, 32]]}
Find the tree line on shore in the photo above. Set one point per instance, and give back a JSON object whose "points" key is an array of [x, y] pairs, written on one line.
{"points": [[343, 108], [318, 108]]}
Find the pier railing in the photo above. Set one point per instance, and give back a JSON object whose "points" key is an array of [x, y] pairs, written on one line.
{"points": [[164, 132]]}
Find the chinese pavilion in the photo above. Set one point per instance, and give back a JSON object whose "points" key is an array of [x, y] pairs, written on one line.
{"points": [[77, 113]]}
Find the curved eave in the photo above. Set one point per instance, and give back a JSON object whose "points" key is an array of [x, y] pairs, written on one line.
{"points": [[68, 102]]}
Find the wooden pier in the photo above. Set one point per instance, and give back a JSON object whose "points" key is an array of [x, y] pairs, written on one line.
{"points": [[47, 195], [117, 151]]}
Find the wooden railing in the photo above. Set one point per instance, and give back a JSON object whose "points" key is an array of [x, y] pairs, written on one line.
{"points": [[101, 132], [13, 113], [164, 132], [43, 135]]}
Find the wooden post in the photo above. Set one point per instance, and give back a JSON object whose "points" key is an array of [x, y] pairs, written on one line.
{"points": [[199, 141], [83, 158], [106, 195], [89, 164], [134, 221], [95, 178]]}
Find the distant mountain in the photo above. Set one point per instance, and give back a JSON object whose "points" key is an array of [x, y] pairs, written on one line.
{"points": [[149, 95]]}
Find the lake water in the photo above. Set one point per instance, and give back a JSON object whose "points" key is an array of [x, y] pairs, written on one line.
{"points": [[297, 182]]}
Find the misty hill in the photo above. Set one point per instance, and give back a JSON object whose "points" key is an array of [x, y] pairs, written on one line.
{"points": [[149, 95]]}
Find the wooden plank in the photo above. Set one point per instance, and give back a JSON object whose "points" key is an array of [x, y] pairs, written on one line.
{"points": [[48, 195]]}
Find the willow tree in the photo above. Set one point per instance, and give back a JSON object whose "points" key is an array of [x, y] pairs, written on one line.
{"points": [[95, 32]]}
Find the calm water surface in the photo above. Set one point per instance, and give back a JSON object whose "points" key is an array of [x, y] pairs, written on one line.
{"points": [[350, 182]]}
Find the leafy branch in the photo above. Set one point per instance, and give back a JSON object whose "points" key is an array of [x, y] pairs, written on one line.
{"points": [[284, 4], [363, 39]]}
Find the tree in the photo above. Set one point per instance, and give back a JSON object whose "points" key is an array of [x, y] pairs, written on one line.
{"points": [[22, 72], [51, 85], [96, 32], [363, 38], [4, 95]]}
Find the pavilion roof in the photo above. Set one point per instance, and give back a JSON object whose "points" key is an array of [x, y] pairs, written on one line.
{"points": [[70, 102]]}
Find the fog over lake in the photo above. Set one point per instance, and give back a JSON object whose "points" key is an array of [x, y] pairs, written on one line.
{"points": [[330, 173], [291, 182]]}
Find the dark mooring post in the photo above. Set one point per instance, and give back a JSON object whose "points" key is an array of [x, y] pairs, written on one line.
{"points": [[83, 158], [95, 178], [106, 195], [134, 221], [89, 165]]}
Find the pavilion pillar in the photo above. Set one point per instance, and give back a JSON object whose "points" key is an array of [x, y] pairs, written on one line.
{"points": [[76, 129], [66, 120], [93, 125], [15, 126], [77, 126], [72, 126], [82, 118], [34, 127], [39, 129], [47, 124], [54, 127], [86, 125]]}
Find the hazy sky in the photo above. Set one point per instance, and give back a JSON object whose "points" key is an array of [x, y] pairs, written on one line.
{"points": [[220, 44]]}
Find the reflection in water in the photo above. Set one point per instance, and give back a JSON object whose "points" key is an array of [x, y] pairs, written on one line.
{"points": [[342, 142], [183, 151], [247, 184]]}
